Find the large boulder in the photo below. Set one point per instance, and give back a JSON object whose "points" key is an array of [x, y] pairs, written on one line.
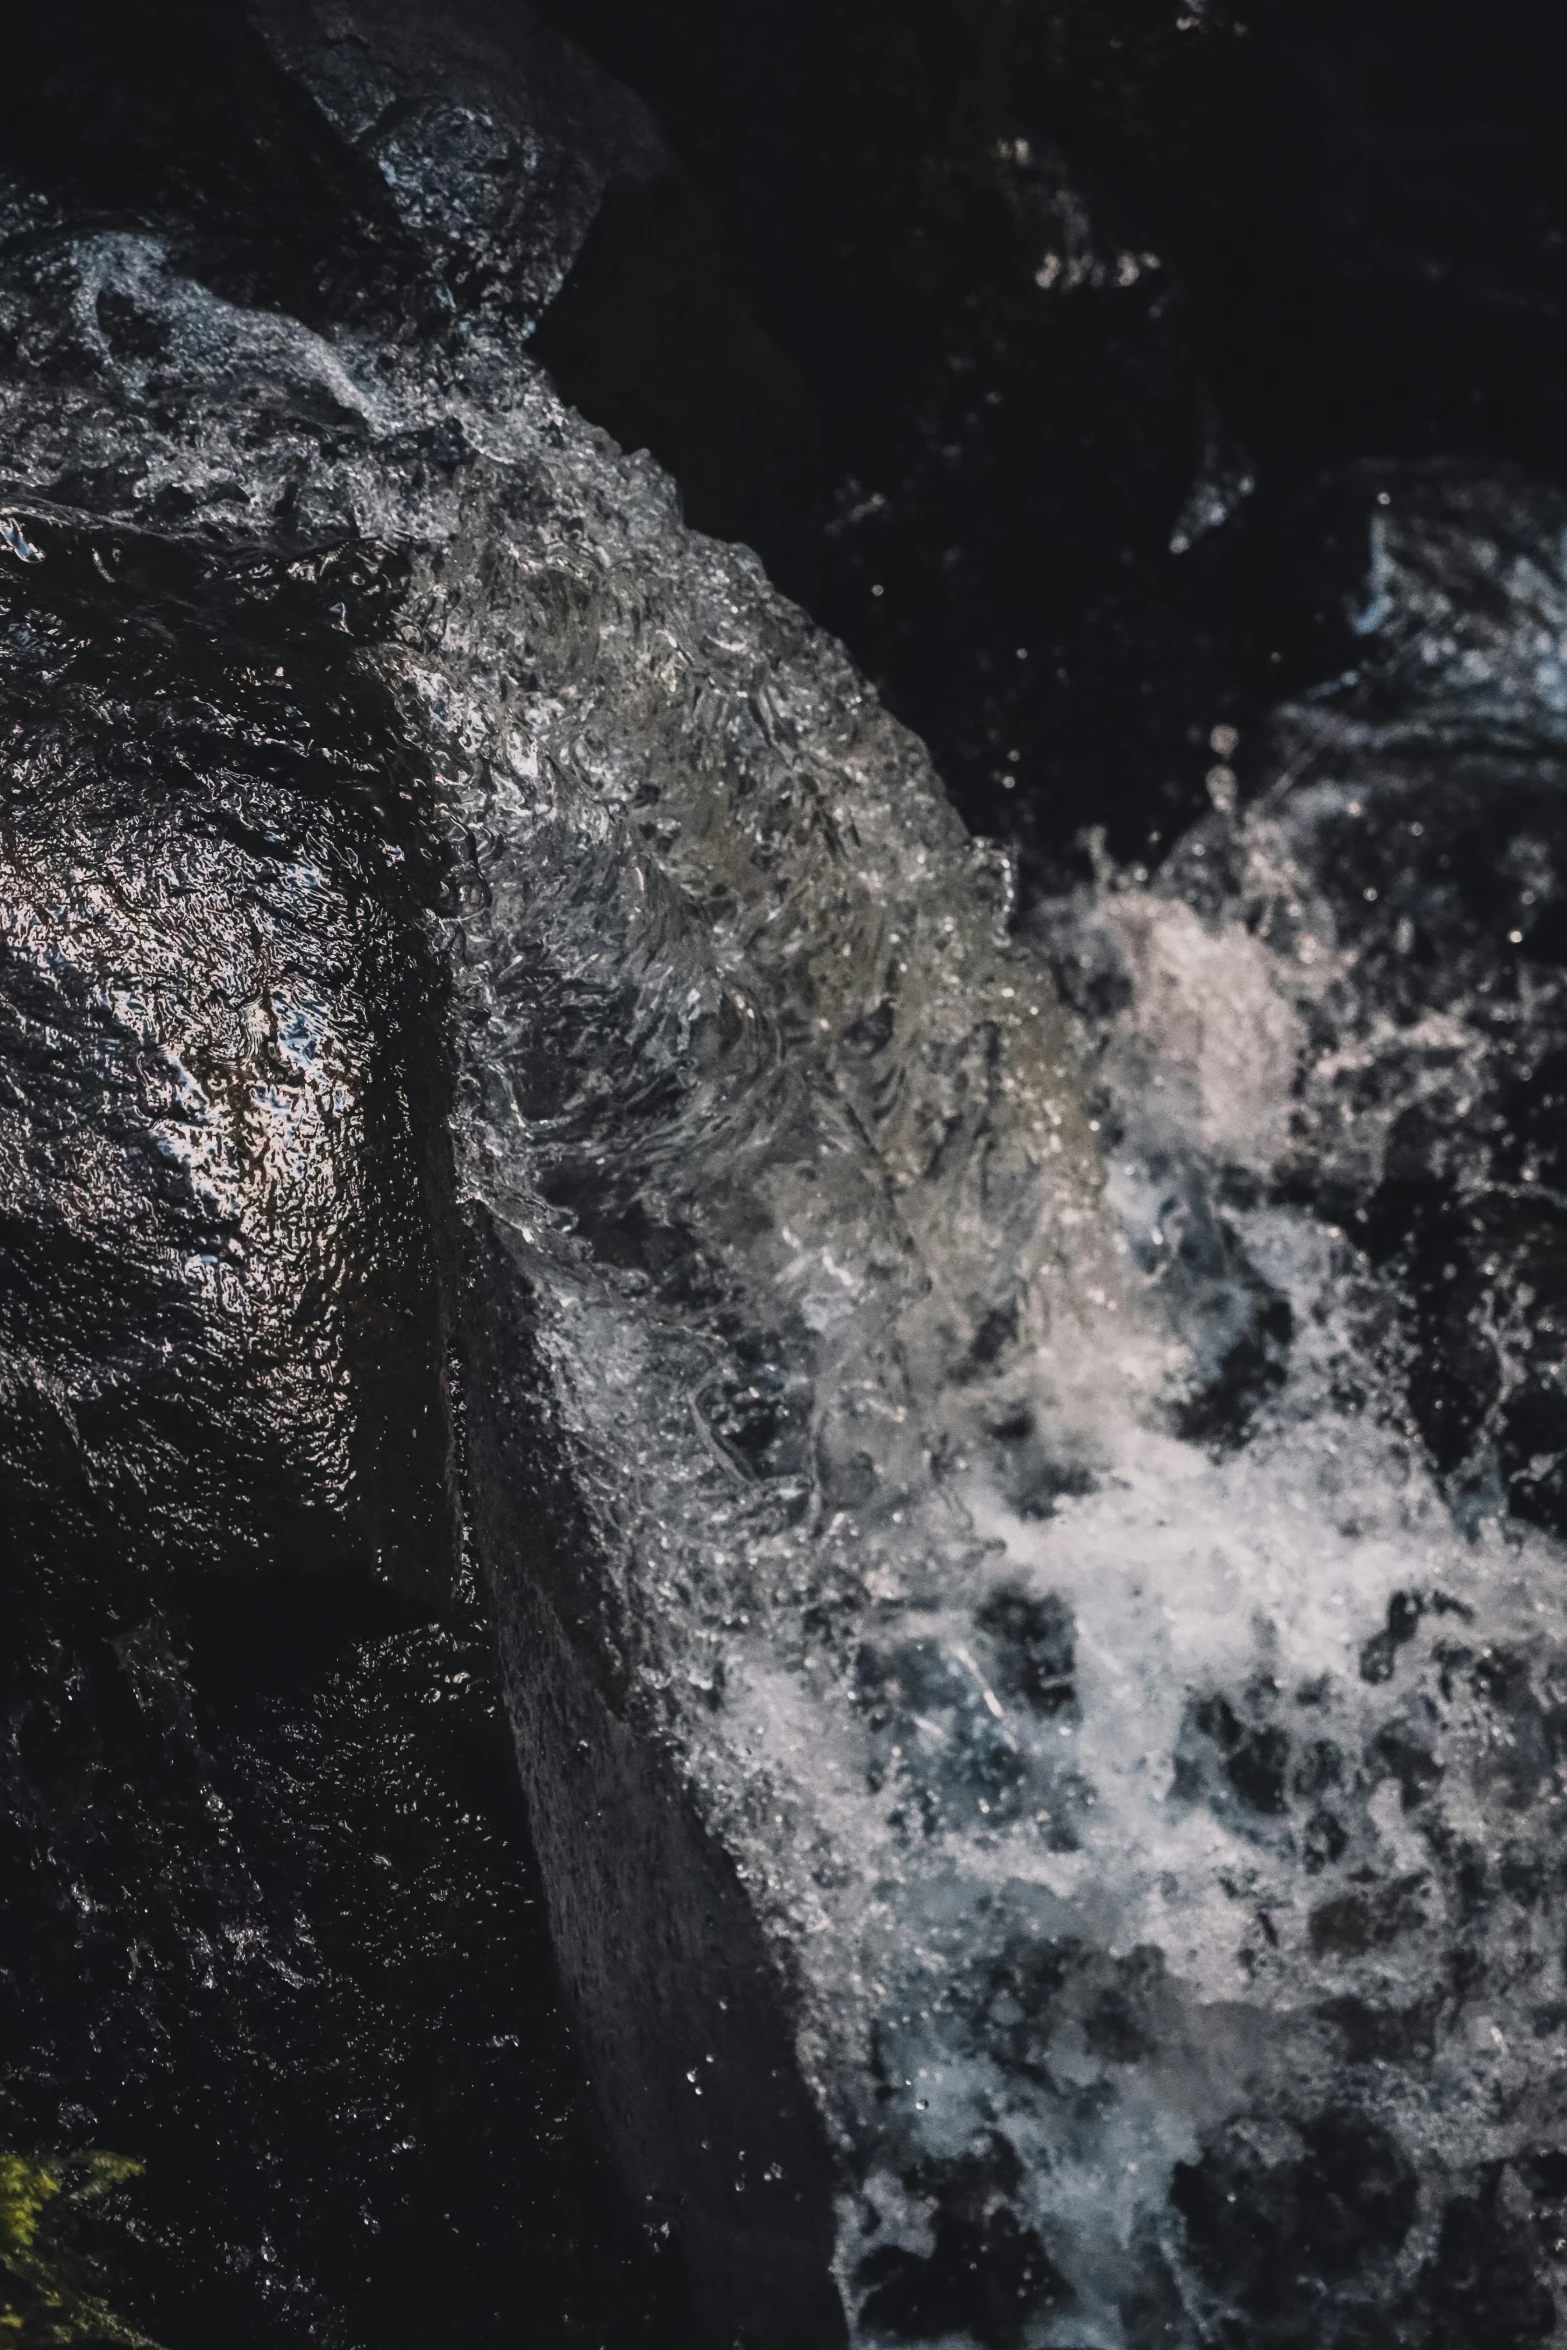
{"points": [[1051, 1821]]}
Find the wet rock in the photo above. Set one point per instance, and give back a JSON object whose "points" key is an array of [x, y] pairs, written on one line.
{"points": [[212, 1177], [992, 1813], [492, 139], [1082, 296], [271, 1919]]}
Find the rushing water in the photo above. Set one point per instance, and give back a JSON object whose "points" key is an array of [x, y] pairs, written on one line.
{"points": [[1014, 1446]]}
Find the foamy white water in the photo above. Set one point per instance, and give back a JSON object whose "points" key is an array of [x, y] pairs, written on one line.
{"points": [[1047, 1759]]}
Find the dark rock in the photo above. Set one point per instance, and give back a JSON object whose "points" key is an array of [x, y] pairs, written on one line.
{"points": [[974, 1842], [272, 1921]]}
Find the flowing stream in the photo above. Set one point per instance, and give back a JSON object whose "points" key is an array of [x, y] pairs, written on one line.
{"points": [[1012, 1443]]}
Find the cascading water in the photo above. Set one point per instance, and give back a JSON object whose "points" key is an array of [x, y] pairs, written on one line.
{"points": [[1012, 1457]]}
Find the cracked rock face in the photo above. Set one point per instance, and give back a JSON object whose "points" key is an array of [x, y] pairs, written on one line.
{"points": [[1045, 1744]]}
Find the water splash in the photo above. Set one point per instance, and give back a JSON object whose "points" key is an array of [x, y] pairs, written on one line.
{"points": [[1004, 1667]]}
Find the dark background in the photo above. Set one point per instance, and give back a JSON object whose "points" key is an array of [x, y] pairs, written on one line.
{"points": [[828, 325]]}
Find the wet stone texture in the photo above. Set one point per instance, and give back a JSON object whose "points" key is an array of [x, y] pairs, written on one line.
{"points": [[271, 1920], [1008, 1435], [212, 1181], [272, 1923], [1053, 313]]}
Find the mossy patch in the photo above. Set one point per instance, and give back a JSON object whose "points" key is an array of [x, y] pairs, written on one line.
{"points": [[49, 2289]]}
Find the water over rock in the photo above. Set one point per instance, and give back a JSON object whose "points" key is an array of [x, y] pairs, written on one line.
{"points": [[1044, 1742]]}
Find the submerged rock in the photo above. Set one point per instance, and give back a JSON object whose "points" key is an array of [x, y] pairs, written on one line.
{"points": [[1052, 1812]]}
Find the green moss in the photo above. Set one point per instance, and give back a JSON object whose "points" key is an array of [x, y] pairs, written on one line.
{"points": [[48, 2289]]}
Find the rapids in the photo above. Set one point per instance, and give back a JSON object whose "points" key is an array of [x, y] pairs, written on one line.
{"points": [[1013, 1448]]}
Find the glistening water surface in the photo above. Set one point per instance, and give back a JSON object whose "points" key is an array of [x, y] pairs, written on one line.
{"points": [[1026, 1386]]}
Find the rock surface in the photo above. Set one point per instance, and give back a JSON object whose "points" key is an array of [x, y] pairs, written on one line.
{"points": [[269, 1920], [1052, 1809]]}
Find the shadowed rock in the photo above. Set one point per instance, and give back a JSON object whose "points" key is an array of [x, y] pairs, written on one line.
{"points": [[1053, 1830]]}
